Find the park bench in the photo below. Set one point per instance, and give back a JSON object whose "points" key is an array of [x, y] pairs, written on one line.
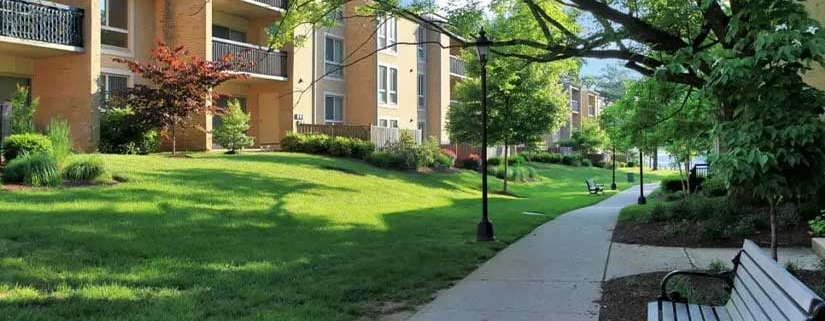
{"points": [[594, 188], [760, 290]]}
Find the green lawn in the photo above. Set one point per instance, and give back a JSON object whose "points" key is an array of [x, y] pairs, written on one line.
{"points": [[271, 236]]}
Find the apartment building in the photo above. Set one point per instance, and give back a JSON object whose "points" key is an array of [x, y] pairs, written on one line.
{"points": [[388, 72], [64, 51], [584, 104]]}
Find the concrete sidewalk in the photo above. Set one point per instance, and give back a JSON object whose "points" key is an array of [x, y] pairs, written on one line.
{"points": [[554, 273]]}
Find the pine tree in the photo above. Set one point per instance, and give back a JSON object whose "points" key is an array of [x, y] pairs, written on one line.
{"points": [[232, 134]]}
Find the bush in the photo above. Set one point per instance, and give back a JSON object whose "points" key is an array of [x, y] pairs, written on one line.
{"points": [[449, 153], [362, 148], [514, 174], [60, 134], [444, 161], [672, 183], [659, 213], [715, 186], [787, 216], [292, 142], [571, 160], [85, 169], [407, 154], [18, 144], [325, 145], [22, 111], [586, 163], [35, 169], [473, 162], [515, 160], [818, 226], [631, 164], [122, 133], [341, 147], [429, 153]]}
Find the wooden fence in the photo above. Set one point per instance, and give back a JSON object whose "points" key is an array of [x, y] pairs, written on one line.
{"points": [[380, 136], [359, 132]]}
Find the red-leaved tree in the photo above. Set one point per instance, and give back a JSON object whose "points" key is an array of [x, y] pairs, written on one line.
{"points": [[180, 87]]}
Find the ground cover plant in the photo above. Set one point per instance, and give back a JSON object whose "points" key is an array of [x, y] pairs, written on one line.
{"points": [[258, 236]]}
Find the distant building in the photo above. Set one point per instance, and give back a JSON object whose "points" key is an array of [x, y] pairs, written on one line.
{"points": [[584, 104]]}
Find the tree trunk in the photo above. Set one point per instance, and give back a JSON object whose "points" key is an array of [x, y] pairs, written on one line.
{"points": [[506, 150], [687, 170], [174, 137], [656, 159], [774, 245]]}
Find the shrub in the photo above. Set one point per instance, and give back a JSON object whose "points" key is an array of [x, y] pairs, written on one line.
{"points": [[531, 173], [292, 142], [22, 111], [472, 162], [232, 132], [746, 225], [35, 169], [818, 226], [672, 183], [59, 133], [787, 216], [444, 161], [586, 163], [494, 161], [712, 230], [122, 133], [380, 159], [715, 186], [449, 153], [85, 169], [18, 144], [362, 148], [631, 164], [571, 160], [676, 228], [673, 196], [317, 144], [341, 147], [515, 160], [514, 174], [406, 152], [429, 152], [680, 210], [659, 212]]}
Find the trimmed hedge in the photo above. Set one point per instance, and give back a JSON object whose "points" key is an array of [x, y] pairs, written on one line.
{"points": [[514, 160], [514, 174], [572, 160], [542, 157], [473, 162], [16, 145], [327, 145]]}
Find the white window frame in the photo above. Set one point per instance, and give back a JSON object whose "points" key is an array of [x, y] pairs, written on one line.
{"points": [[339, 63], [389, 121], [421, 48], [130, 35], [105, 73], [332, 120], [421, 84], [388, 90], [385, 82], [387, 38], [422, 126]]}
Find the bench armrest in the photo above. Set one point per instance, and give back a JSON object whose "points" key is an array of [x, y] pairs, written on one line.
{"points": [[726, 276]]}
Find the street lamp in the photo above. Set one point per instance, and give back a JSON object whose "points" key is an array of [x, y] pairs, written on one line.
{"points": [[613, 185], [642, 200], [485, 227]]}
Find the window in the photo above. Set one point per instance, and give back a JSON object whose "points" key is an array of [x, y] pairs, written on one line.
{"points": [[388, 34], [422, 91], [386, 122], [422, 126], [228, 33], [420, 39], [333, 109], [337, 15], [114, 23], [113, 85], [334, 57], [387, 85]]}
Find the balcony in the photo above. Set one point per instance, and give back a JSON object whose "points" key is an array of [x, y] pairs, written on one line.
{"points": [[575, 106], [40, 28], [250, 8], [266, 64], [457, 67]]}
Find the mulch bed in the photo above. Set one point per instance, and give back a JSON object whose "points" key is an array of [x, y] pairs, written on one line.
{"points": [[625, 299], [653, 233]]}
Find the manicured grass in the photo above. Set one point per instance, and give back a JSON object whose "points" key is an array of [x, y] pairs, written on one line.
{"points": [[638, 212], [271, 236]]}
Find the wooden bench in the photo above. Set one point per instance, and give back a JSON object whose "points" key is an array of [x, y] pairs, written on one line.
{"points": [[760, 290], [594, 188]]}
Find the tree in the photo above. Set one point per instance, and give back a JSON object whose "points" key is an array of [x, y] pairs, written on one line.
{"points": [[611, 82], [589, 137], [22, 111], [232, 133], [180, 86]]}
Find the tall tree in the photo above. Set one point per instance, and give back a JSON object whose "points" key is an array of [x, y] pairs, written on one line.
{"points": [[180, 86], [611, 82]]}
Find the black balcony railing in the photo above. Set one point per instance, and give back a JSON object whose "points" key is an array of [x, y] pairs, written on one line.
{"points": [[261, 60], [42, 21], [457, 66], [274, 3]]}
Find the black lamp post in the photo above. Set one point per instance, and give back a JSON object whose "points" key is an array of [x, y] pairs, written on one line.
{"points": [[613, 185], [642, 200], [485, 227]]}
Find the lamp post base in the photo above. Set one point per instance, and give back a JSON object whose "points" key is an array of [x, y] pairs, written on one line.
{"points": [[613, 186], [642, 200], [485, 232]]}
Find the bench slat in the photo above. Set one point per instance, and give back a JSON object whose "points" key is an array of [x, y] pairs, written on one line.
{"points": [[695, 313], [802, 295], [722, 314], [708, 314], [667, 311], [749, 301], [770, 299], [681, 312], [783, 302], [653, 311], [737, 309]]}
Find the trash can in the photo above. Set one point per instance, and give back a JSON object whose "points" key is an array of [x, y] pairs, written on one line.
{"points": [[631, 177]]}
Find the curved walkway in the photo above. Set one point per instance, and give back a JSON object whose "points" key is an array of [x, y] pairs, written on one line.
{"points": [[555, 272]]}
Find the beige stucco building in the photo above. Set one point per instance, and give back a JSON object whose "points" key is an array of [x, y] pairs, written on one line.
{"points": [[585, 104], [335, 77]]}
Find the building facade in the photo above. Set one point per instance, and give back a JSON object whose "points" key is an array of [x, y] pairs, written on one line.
{"points": [[335, 77], [585, 104]]}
